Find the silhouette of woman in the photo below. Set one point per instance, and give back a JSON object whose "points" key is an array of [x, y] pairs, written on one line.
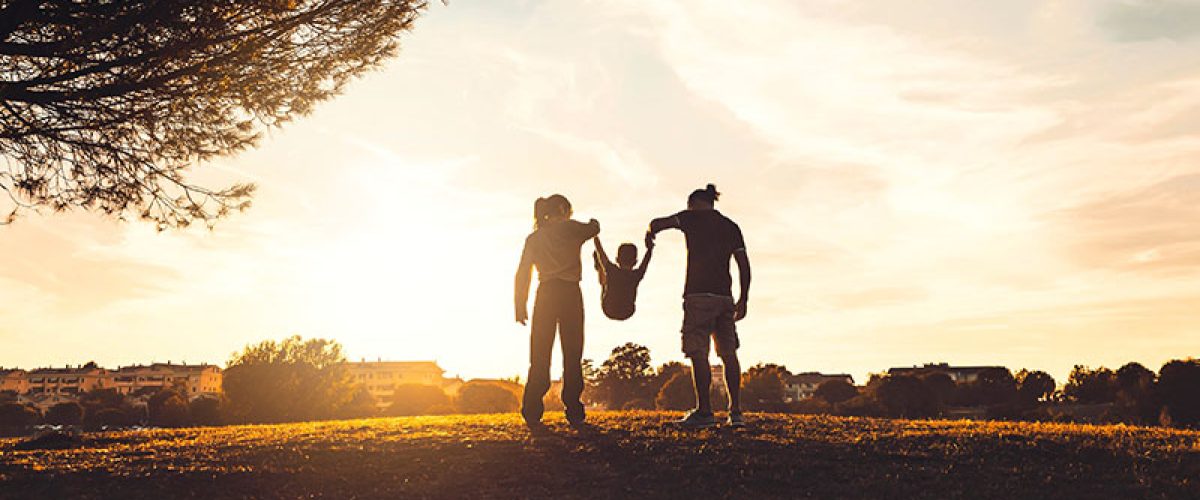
{"points": [[553, 248]]}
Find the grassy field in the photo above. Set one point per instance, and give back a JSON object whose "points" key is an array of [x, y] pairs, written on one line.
{"points": [[626, 455]]}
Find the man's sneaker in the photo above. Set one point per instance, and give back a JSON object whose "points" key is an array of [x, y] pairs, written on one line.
{"points": [[697, 420], [735, 420]]}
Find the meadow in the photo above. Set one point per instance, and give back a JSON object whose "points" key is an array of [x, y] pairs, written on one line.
{"points": [[625, 455]]}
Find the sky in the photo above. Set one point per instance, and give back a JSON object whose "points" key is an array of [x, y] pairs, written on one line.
{"points": [[966, 181]]}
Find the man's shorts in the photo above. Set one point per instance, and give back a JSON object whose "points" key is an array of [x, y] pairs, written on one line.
{"points": [[706, 317]]}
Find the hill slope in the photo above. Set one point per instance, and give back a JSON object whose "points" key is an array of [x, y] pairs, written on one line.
{"points": [[627, 455]]}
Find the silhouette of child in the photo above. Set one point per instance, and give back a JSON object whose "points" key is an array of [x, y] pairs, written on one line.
{"points": [[619, 281]]}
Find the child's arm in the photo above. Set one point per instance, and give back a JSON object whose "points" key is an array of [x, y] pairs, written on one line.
{"points": [[646, 261]]}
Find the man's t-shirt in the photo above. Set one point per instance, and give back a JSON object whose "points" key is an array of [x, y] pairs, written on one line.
{"points": [[711, 241], [554, 249]]}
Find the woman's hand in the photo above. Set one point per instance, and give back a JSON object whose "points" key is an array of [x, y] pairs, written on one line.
{"points": [[522, 315]]}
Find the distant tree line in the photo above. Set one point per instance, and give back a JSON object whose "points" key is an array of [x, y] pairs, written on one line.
{"points": [[300, 380]]}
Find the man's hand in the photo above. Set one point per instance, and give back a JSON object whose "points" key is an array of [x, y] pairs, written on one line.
{"points": [[740, 310], [522, 316]]}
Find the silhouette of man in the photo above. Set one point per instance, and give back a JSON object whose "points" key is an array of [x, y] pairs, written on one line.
{"points": [[709, 310]]}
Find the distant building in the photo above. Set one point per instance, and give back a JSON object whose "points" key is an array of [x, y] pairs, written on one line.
{"points": [[959, 374], [13, 381], [196, 380], [70, 380], [804, 385], [382, 377], [46, 387]]}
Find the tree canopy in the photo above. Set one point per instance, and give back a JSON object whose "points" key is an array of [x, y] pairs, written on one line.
{"points": [[105, 105]]}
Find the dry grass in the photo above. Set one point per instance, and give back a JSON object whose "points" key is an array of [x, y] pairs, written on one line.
{"points": [[627, 455]]}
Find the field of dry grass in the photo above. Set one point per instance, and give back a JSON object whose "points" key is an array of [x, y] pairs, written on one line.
{"points": [[626, 455]]}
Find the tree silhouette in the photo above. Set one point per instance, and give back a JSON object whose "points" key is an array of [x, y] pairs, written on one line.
{"points": [[835, 391], [104, 105], [763, 387], [287, 381], [677, 394], [1088, 386], [625, 375], [1034, 386], [1178, 386]]}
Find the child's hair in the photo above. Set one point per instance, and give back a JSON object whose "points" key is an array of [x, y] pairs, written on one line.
{"points": [[707, 195], [544, 208], [627, 251]]}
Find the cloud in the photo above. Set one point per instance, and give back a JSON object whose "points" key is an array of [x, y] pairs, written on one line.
{"points": [[1146, 20], [1151, 229]]}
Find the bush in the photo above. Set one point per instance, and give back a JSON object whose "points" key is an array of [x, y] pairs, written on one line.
{"points": [[18, 415], [678, 393], [207, 411], [907, 397], [362, 404], [69, 413], [413, 399], [859, 406], [1179, 391], [288, 381], [167, 408], [763, 388], [485, 397], [835, 391]]}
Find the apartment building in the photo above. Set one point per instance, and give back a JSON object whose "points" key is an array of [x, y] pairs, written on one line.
{"points": [[196, 380], [804, 385], [382, 377]]}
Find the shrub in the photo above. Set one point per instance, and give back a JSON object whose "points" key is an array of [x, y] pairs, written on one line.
{"points": [[835, 391], [18, 415], [1178, 389], [485, 397], [69, 413], [207, 410], [678, 393], [167, 408], [413, 399]]}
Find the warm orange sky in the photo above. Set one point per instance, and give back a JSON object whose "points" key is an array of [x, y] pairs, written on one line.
{"points": [[976, 182]]}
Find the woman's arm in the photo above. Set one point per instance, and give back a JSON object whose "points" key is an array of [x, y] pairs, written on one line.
{"points": [[600, 250], [521, 286]]}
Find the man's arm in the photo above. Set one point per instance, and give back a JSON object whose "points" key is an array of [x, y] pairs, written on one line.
{"points": [[743, 264], [521, 286], [660, 224]]}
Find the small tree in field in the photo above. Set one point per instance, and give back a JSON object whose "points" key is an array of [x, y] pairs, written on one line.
{"points": [[625, 375], [287, 381], [484, 397], [1179, 391], [69, 413], [835, 391], [1034, 386], [362, 404], [763, 387], [17, 415], [207, 410], [104, 105], [168, 408], [413, 399], [679, 393], [1089, 386]]}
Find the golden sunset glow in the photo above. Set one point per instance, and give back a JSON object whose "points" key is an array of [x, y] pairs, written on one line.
{"points": [[983, 183]]}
